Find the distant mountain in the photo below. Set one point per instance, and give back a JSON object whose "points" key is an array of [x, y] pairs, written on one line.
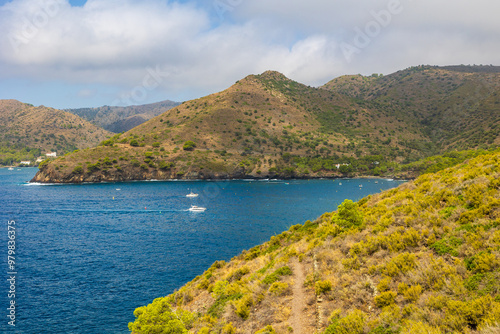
{"points": [[456, 107], [27, 131], [270, 126], [121, 119]]}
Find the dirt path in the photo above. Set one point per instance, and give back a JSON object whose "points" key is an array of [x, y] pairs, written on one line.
{"points": [[298, 318]]}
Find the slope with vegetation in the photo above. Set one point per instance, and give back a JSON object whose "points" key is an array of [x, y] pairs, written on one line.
{"points": [[121, 119], [457, 107], [27, 132], [421, 258], [270, 126]]}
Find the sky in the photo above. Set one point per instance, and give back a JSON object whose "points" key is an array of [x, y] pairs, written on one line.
{"points": [[77, 53]]}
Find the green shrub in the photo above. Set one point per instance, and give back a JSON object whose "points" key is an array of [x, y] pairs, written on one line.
{"points": [[353, 323], [401, 263], [228, 329], [446, 246], [78, 170], [134, 143], [482, 262], [107, 161], [238, 274], [322, 287], [266, 330], [278, 288], [165, 165], [413, 293], [275, 276], [93, 167], [385, 299], [383, 285], [473, 313], [348, 215], [218, 307], [412, 327], [252, 253], [159, 318], [189, 145], [243, 306]]}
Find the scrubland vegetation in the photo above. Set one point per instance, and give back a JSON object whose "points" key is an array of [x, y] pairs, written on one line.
{"points": [[421, 258], [270, 126]]}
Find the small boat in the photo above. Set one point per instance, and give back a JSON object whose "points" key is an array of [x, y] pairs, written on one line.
{"points": [[195, 208], [10, 168], [192, 194], [340, 183], [361, 186]]}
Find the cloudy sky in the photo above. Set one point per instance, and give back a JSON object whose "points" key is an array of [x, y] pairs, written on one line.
{"points": [[77, 53]]}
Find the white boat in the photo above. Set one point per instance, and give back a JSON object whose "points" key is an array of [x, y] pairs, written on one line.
{"points": [[195, 208], [10, 168], [192, 194]]}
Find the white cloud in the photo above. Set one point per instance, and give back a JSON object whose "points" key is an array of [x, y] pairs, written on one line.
{"points": [[116, 42]]}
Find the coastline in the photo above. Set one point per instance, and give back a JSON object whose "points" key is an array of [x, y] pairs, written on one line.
{"points": [[218, 179]]}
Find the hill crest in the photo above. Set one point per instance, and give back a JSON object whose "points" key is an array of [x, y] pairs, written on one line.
{"points": [[270, 126], [122, 119], [28, 131]]}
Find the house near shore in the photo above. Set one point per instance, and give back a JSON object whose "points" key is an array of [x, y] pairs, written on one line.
{"points": [[338, 165], [40, 159], [26, 163], [51, 155]]}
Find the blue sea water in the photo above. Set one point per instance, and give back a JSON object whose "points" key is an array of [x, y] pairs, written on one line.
{"points": [[87, 255]]}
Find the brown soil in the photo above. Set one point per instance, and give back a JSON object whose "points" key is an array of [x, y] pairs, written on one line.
{"points": [[298, 318]]}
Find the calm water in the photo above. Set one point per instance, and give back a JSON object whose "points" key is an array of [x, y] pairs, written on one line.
{"points": [[88, 255]]}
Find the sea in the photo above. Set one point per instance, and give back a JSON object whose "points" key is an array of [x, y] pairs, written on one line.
{"points": [[82, 258]]}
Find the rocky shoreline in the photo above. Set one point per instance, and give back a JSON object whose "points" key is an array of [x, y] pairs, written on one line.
{"points": [[48, 174]]}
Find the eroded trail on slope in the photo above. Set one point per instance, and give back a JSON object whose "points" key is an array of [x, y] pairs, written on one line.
{"points": [[298, 318]]}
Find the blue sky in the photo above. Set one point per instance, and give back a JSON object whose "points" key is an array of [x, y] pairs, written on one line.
{"points": [[69, 54]]}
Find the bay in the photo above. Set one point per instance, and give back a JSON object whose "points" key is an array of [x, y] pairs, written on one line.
{"points": [[87, 255]]}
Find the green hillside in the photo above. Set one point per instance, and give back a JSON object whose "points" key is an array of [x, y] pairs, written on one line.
{"points": [[270, 126], [421, 258], [28, 132], [457, 107]]}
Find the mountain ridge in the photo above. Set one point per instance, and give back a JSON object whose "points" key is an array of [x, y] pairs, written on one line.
{"points": [[120, 119], [28, 132], [270, 126]]}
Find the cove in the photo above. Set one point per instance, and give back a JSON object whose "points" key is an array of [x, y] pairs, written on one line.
{"points": [[88, 255]]}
